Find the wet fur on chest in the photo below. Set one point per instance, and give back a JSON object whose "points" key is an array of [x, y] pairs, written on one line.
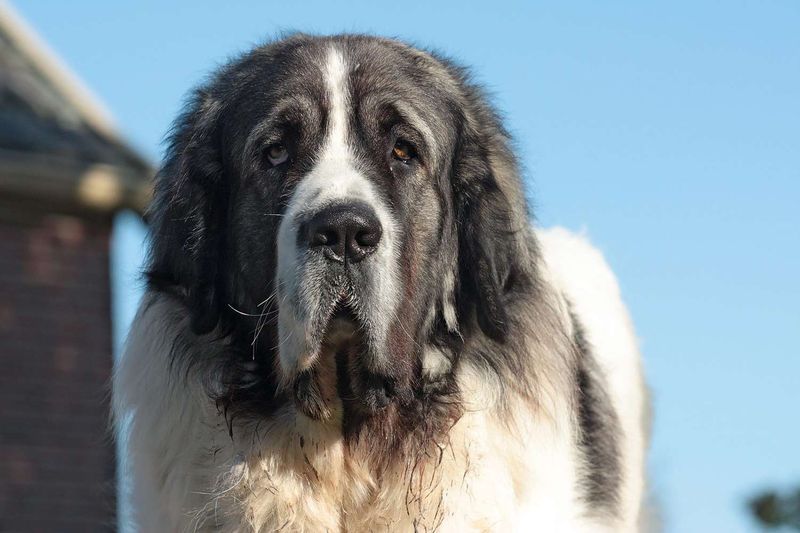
{"points": [[294, 473]]}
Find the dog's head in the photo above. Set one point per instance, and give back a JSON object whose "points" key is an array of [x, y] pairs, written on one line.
{"points": [[346, 206]]}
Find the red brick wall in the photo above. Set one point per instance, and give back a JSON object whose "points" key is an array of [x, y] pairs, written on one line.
{"points": [[56, 456]]}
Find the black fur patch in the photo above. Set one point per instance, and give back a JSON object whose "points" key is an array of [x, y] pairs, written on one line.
{"points": [[599, 428]]}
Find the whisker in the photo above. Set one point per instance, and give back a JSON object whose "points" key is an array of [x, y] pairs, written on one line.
{"points": [[262, 320], [289, 336], [270, 297], [262, 324], [257, 331], [399, 323], [241, 312]]}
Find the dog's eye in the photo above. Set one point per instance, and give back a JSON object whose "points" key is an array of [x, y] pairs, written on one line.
{"points": [[403, 151], [277, 154]]}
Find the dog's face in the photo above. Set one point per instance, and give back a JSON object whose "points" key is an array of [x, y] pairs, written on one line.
{"points": [[352, 195]]}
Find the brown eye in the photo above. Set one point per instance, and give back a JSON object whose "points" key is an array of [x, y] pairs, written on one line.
{"points": [[403, 151], [277, 154]]}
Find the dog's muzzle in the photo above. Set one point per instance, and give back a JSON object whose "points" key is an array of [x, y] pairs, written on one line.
{"points": [[343, 232], [344, 254]]}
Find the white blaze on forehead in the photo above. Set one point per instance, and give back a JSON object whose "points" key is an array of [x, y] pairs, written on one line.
{"points": [[336, 83], [334, 178], [335, 174]]}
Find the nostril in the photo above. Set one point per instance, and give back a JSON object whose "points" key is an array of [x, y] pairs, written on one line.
{"points": [[325, 237], [368, 238]]}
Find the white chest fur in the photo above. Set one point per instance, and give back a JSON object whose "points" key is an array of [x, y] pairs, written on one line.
{"points": [[297, 474]]}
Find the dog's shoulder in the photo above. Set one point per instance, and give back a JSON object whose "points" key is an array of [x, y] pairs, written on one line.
{"points": [[581, 273]]}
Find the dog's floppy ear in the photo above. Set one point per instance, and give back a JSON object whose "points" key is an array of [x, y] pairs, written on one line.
{"points": [[493, 228], [187, 216]]}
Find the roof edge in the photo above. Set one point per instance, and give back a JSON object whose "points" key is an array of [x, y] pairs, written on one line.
{"points": [[50, 65]]}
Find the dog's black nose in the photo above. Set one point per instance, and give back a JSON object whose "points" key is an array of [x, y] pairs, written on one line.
{"points": [[344, 232]]}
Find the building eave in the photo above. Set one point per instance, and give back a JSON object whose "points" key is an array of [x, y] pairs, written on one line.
{"points": [[91, 185]]}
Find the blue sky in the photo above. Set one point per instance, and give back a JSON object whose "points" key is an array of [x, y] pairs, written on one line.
{"points": [[669, 133]]}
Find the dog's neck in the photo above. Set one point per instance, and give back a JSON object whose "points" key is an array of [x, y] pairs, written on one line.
{"points": [[316, 476]]}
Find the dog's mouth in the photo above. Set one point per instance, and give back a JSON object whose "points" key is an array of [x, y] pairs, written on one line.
{"points": [[344, 329], [339, 378]]}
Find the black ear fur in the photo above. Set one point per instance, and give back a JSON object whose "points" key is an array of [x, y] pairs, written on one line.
{"points": [[492, 229], [188, 216], [486, 258]]}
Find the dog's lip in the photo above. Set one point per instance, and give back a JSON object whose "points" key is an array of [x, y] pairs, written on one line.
{"points": [[343, 346], [340, 335], [343, 309], [342, 324]]}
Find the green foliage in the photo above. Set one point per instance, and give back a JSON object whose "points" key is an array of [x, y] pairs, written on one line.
{"points": [[774, 510]]}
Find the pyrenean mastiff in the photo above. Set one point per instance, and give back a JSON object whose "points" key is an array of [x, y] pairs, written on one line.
{"points": [[350, 324]]}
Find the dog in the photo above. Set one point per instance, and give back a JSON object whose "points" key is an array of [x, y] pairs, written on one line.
{"points": [[350, 323]]}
